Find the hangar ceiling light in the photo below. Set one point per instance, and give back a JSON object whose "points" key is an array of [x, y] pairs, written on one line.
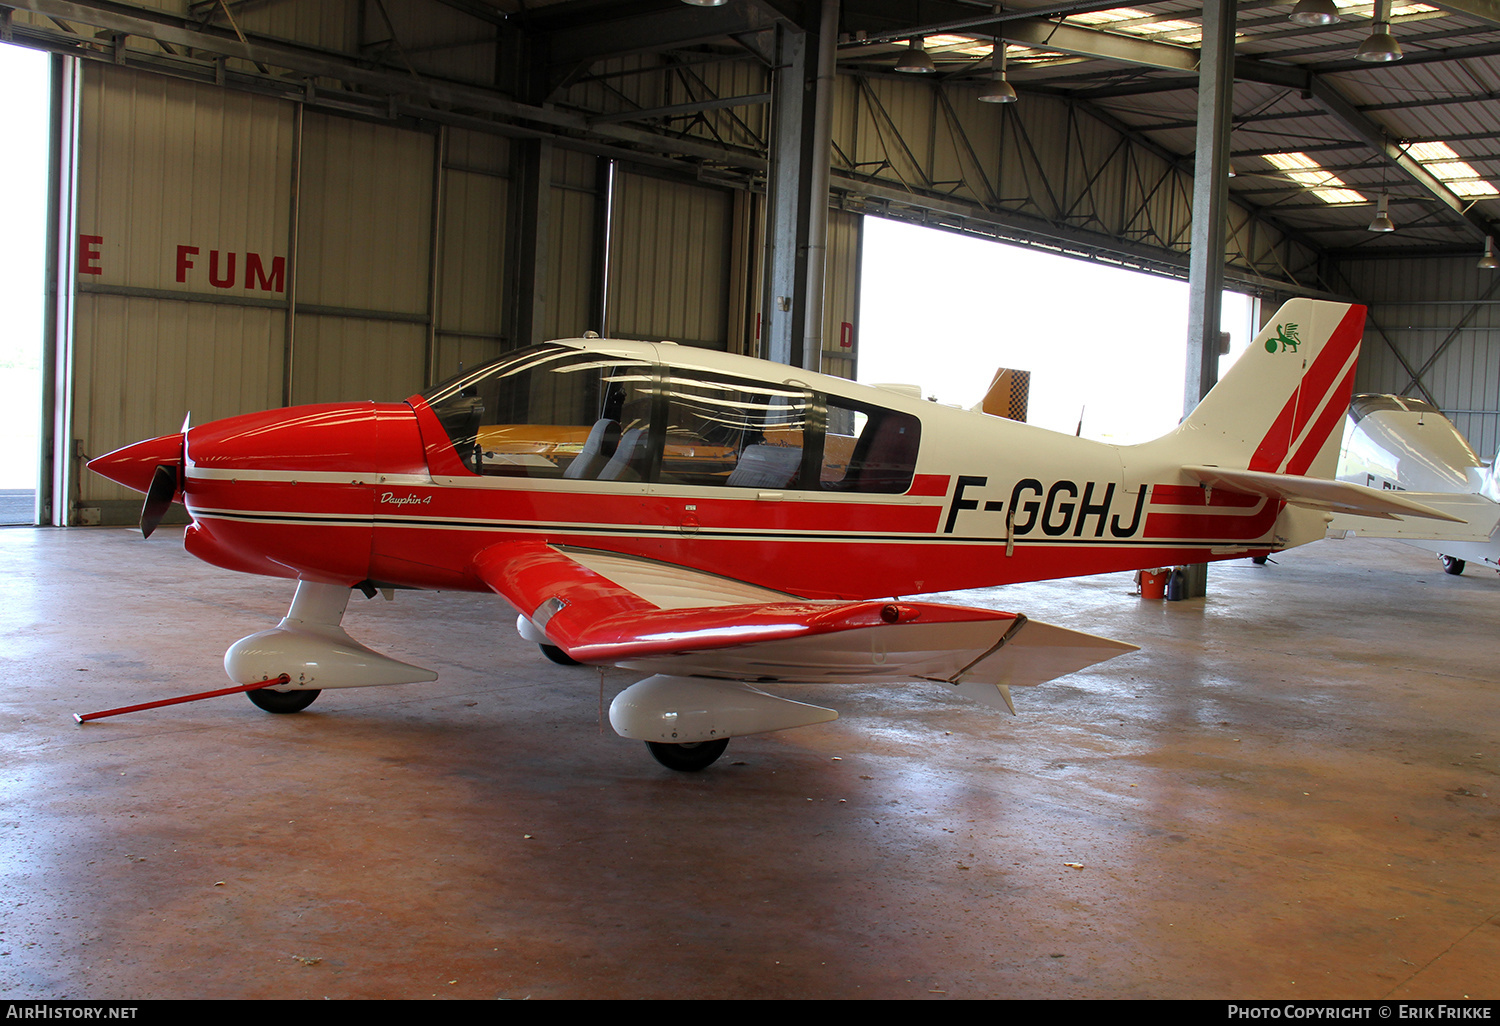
{"points": [[1315, 12], [915, 60], [999, 89], [1380, 45]]}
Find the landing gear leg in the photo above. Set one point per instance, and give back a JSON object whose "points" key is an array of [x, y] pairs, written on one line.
{"points": [[310, 648], [687, 758]]}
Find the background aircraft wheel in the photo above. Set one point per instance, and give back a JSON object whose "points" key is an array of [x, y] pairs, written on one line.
{"points": [[688, 758], [1258, 560], [282, 701], [1452, 566], [558, 656]]}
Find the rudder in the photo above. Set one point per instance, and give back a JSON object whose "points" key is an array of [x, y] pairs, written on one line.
{"points": [[1281, 407]]}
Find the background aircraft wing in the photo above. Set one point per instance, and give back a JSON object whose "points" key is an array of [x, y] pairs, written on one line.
{"points": [[1478, 517], [695, 624], [1318, 493]]}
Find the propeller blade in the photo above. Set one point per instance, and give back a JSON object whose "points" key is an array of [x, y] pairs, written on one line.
{"points": [[158, 497]]}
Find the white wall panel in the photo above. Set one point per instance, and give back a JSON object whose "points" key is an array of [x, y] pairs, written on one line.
{"points": [[668, 261], [344, 358], [365, 216], [476, 211], [364, 246]]}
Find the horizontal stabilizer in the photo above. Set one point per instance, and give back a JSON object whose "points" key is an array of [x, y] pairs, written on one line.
{"points": [[1317, 493], [1475, 520], [1037, 653]]}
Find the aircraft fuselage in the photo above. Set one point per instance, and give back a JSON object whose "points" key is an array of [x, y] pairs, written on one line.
{"points": [[384, 494]]}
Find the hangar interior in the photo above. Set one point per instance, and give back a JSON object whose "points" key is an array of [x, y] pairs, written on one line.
{"points": [[261, 203]]}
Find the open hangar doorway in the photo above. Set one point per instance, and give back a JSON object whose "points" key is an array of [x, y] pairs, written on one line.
{"points": [[25, 79], [1105, 345]]}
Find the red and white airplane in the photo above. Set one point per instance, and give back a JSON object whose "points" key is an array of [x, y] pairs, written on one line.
{"points": [[722, 523]]}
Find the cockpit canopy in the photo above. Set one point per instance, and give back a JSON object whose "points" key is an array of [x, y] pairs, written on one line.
{"points": [[555, 411], [1361, 406]]}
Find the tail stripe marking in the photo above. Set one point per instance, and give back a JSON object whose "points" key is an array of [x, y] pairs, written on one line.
{"points": [[1306, 400], [1332, 415]]}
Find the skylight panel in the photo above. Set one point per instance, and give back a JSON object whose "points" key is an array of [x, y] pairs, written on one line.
{"points": [[1456, 173], [1108, 17], [1324, 184], [1398, 9], [960, 44]]}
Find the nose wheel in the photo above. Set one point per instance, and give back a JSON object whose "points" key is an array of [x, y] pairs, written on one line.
{"points": [[557, 655], [282, 701], [686, 758]]}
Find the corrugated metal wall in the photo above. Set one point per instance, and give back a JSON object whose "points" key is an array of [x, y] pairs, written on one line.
{"points": [[669, 261], [575, 294], [1434, 332], [362, 261], [841, 294], [471, 290]]}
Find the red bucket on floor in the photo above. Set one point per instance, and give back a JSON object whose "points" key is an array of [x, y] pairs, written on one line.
{"points": [[1154, 583]]}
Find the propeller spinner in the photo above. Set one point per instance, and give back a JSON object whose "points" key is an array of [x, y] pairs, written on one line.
{"points": [[154, 467]]}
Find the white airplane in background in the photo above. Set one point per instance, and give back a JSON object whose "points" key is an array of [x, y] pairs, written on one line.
{"points": [[1407, 445], [724, 524]]}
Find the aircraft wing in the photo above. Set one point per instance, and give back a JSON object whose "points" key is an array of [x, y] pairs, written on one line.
{"points": [[698, 625], [1317, 493], [1476, 520]]}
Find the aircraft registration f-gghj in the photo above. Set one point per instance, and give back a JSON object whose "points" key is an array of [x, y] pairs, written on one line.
{"points": [[720, 523]]}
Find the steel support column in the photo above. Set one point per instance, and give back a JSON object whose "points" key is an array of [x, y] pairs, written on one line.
{"points": [[789, 185], [1210, 207], [529, 228], [822, 140], [1210, 199]]}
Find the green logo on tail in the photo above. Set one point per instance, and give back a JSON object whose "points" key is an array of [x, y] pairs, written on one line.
{"points": [[1287, 336]]}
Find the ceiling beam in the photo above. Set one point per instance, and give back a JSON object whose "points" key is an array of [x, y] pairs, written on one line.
{"points": [[1489, 10], [587, 31], [1375, 136]]}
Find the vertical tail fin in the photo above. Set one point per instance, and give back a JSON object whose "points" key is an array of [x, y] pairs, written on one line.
{"points": [[1281, 407]]}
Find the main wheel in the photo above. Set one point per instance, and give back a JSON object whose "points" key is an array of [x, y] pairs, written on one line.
{"points": [[688, 758], [557, 655], [282, 701], [1452, 566]]}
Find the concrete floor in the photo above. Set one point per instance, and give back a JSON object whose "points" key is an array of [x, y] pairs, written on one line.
{"points": [[1289, 792]]}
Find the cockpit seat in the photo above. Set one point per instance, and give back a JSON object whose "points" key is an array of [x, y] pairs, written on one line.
{"points": [[595, 455], [766, 466], [629, 459]]}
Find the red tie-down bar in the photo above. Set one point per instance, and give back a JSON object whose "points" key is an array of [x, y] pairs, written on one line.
{"points": [[274, 682]]}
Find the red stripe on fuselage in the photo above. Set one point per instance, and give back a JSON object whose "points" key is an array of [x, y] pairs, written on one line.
{"points": [[1210, 527], [929, 484], [1197, 495]]}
